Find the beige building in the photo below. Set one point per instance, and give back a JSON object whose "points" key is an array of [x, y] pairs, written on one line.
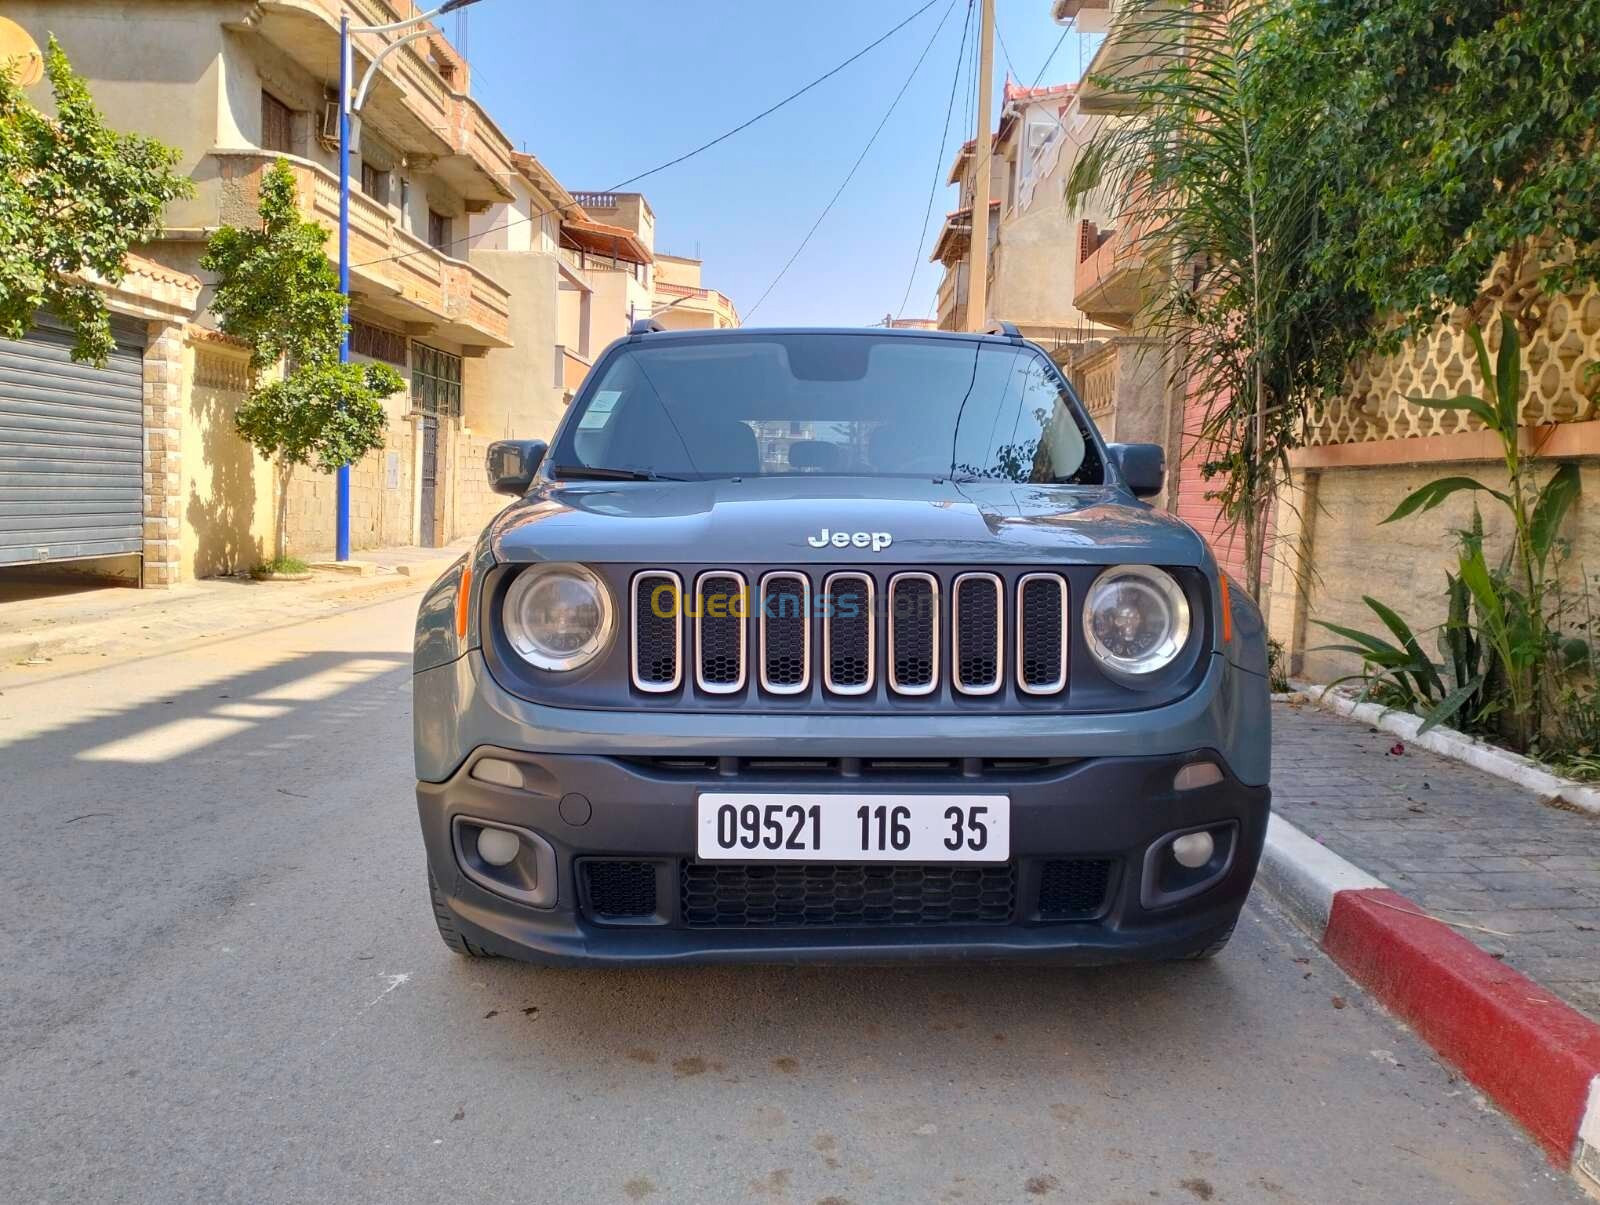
{"points": [[682, 302], [458, 269]]}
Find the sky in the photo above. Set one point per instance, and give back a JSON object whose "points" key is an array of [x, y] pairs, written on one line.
{"points": [[603, 90]]}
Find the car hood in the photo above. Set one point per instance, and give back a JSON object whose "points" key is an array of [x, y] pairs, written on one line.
{"points": [[771, 521]]}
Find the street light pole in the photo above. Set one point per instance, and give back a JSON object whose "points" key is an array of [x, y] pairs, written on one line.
{"points": [[350, 102], [342, 533]]}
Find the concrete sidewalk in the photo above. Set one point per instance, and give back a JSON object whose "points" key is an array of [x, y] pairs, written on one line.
{"points": [[1466, 904], [49, 630], [1467, 846]]}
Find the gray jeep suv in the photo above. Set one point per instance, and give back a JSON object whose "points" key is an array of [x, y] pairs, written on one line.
{"points": [[836, 644]]}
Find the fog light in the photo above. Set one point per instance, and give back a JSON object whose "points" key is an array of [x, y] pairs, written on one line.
{"points": [[1200, 774], [500, 848], [1191, 851]]}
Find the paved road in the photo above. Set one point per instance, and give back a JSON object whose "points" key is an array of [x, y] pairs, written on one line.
{"points": [[221, 983]]}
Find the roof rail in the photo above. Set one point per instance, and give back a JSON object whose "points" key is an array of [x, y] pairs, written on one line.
{"points": [[645, 326], [1008, 329]]}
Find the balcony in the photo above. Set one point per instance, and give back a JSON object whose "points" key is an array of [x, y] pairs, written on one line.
{"points": [[685, 307], [1111, 276], [1094, 375], [952, 310], [393, 273], [410, 103], [1128, 48]]}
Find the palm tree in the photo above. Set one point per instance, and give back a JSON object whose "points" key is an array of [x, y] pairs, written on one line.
{"points": [[1206, 162]]}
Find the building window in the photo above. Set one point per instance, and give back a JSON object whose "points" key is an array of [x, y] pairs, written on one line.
{"points": [[378, 343], [438, 231], [375, 183], [277, 125], [435, 381]]}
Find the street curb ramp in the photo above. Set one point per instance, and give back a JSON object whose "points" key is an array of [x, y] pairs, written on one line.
{"points": [[1532, 1054]]}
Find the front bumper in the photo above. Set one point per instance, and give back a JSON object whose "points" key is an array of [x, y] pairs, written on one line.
{"points": [[1099, 810]]}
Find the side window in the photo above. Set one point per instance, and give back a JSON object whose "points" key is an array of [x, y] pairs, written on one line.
{"points": [[375, 183], [277, 125], [435, 381], [438, 231]]}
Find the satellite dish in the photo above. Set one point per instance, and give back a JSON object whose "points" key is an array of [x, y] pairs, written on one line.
{"points": [[19, 54]]}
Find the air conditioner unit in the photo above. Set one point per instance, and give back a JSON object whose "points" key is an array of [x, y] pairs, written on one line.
{"points": [[328, 127]]}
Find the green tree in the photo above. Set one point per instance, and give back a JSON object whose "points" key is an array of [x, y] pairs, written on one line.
{"points": [[74, 196], [1211, 187], [1455, 134], [277, 291]]}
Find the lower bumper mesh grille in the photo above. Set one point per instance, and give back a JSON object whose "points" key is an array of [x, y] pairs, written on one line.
{"points": [[620, 890], [757, 895], [1073, 888]]}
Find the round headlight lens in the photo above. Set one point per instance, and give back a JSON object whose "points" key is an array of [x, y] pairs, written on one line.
{"points": [[1136, 619], [558, 617]]}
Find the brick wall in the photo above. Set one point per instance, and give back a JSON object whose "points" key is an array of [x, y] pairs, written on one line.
{"points": [[165, 372], [1403, 563], [382, 503], [475, 502]]}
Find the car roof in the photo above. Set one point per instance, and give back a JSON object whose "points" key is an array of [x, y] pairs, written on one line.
{"points": [[874, 331]]}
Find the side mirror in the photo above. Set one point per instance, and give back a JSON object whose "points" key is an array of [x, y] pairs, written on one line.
{"points": [[512, 463], [1143, 467]]}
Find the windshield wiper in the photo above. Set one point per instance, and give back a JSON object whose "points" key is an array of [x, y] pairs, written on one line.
{"points": [[585, 472]]}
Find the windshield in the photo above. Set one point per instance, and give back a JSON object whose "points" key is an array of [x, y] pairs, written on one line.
{"points": [[862, 405]]}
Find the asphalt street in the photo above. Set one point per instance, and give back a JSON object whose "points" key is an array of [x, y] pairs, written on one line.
{"points": [[220, 981]]}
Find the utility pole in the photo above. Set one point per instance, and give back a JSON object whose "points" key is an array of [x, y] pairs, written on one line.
{"points": [[983, 153]]}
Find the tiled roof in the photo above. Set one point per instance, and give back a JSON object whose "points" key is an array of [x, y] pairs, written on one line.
{"points": [[601, 238], [1015, 91]]}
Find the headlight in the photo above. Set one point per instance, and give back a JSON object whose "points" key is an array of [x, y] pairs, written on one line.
{"points": [[1135, 619], [558, 617]]}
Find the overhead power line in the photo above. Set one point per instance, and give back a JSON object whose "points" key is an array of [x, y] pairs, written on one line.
{"points": [[704, 146], [938, 166], [845, 183]]}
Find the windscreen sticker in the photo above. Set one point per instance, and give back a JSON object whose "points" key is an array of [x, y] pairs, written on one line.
{"points": [[600, 410]]}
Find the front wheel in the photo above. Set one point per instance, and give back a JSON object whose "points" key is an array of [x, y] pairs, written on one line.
{"points": [[446, 921], [1212, 950]]}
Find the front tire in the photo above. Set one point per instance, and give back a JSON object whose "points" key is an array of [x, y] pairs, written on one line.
{"points": [[1211, 951], [445, 919]]}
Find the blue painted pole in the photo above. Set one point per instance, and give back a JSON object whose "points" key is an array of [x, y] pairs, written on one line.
{"points": [[342, 538]]}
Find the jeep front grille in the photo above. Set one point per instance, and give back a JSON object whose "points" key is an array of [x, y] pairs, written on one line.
{"points": [[914, 633], [785, 623], [848, 628], [657, 631], [720, 607], [979, 620], [1041, 633], [851, 633]]}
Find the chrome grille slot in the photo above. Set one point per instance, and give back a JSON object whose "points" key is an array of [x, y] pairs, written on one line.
{"points": [[848, 635], [914, 633], [720, 610], [1041, 635], [657, 638], [785, 623], [977, 633]]}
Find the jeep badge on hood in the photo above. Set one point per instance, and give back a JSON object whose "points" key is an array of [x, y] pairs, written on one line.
{"points": [[875, 540]]}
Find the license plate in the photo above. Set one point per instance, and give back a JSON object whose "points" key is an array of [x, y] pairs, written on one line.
{"points": [[854, 828]]}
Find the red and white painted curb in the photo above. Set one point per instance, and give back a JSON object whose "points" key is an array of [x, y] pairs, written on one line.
{"points": [[1532, 1054]]}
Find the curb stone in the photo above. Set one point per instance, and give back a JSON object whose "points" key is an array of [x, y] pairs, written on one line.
{"points": [[1534, 1056], [1447, 742]]}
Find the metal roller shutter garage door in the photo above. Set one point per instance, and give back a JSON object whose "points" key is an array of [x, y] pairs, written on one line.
{"points": [[71, 442]]}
